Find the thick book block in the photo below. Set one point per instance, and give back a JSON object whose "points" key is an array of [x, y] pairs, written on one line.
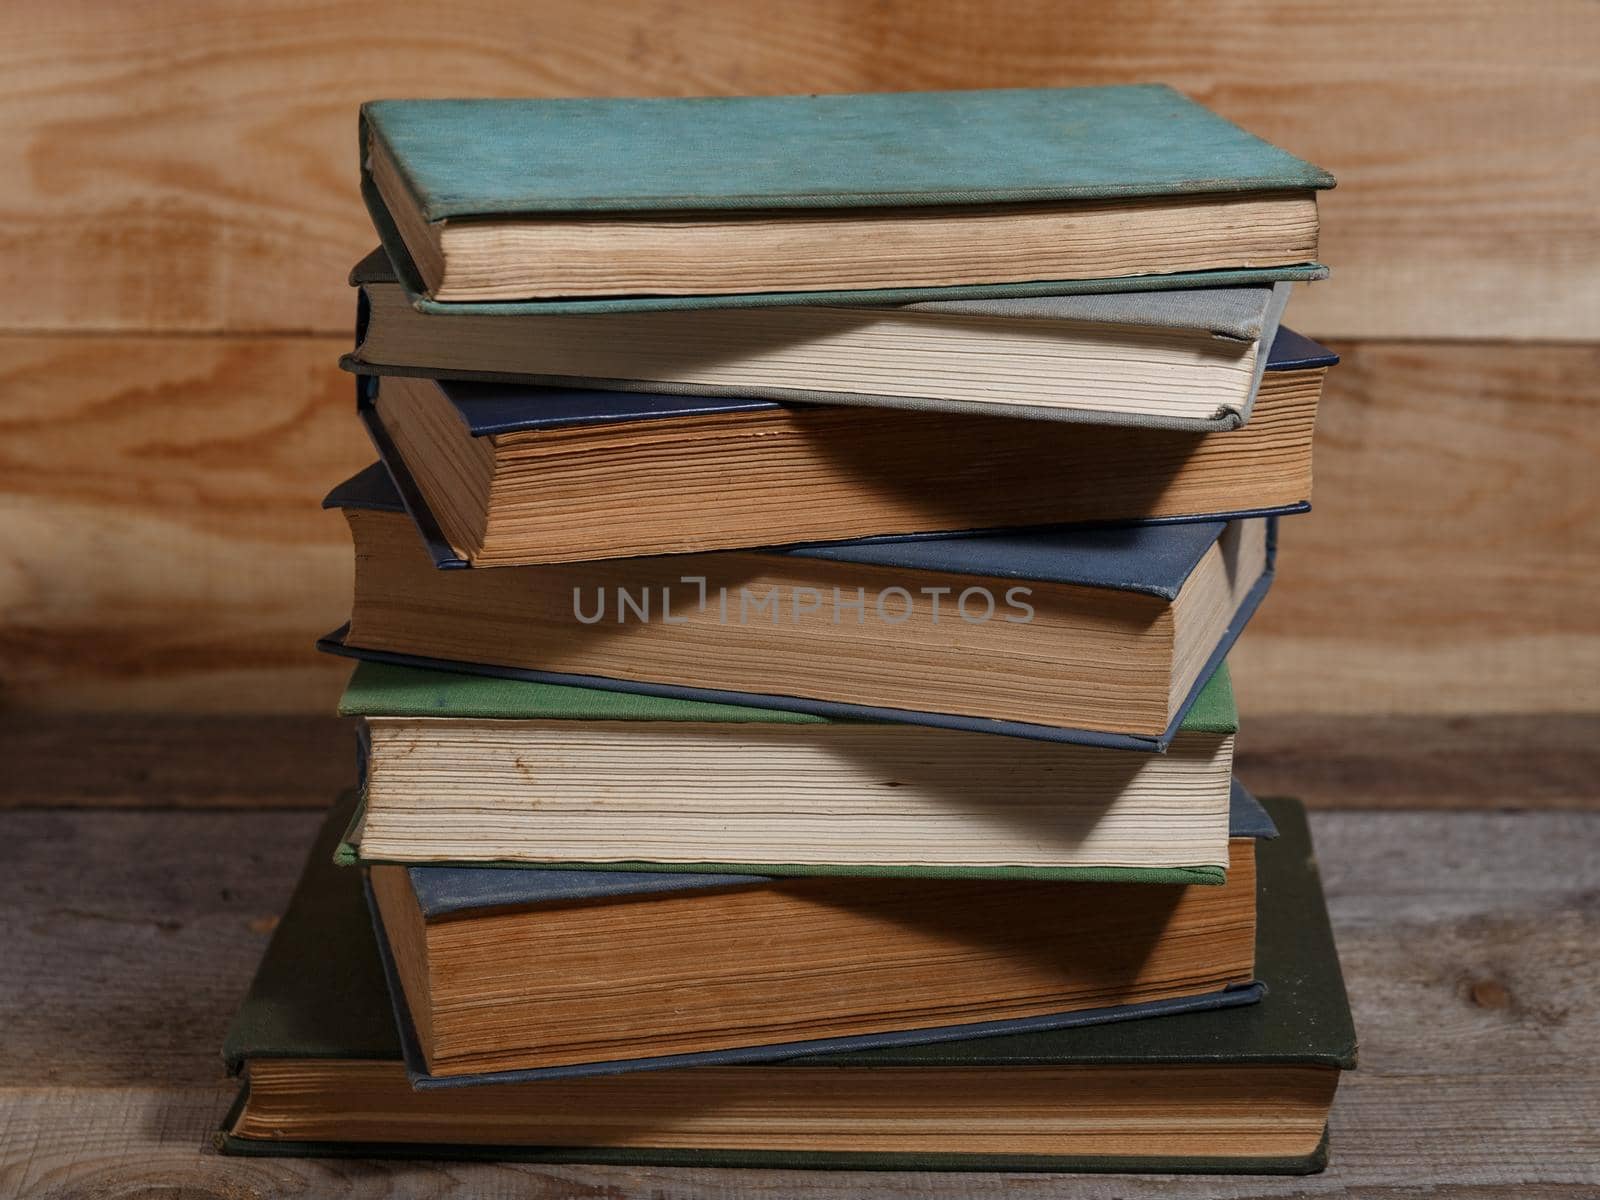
{"points": [[677, 969], [736, 478], [1099, 636]]}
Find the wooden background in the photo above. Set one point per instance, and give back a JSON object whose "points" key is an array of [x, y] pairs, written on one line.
{"points": [[179, 210]]}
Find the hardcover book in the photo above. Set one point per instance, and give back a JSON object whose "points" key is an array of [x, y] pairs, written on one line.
{"points": [[867, 197], [1235, 1089], [681, 969], [1102, 636], [1084, 358], [666, 970], [512, 472], [477, 770]]}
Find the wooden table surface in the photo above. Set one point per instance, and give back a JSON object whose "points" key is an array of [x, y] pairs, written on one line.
{"points": [[143, 863]]}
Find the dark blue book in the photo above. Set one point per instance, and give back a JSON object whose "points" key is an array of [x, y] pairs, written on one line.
{"points": [[511, 470], [1100, 636], [503, 975]]}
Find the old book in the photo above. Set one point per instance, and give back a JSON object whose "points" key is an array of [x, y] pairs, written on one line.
{"points": [[1235, 1089], [515, 475], [1102, 635], [471, 769], [511, 199], [1187, 359], [512, 973]]}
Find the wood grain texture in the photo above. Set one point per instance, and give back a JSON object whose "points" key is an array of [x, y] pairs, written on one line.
{"points": [[132, 936], [192, 165], [1450, 560], [163, 549], [163, 545]]}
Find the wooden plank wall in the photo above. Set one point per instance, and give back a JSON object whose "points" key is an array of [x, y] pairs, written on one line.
{"points": [[178, 209]]}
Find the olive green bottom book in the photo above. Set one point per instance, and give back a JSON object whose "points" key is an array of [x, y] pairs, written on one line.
{"points": [[1228, 1090]]}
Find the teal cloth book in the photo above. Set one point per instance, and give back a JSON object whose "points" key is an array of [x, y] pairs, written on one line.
{"points": [[1243, 1089], [622, 203], [478, 770]]}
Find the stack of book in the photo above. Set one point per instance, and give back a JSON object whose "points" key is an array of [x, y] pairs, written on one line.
{"points": [[792, 610]]}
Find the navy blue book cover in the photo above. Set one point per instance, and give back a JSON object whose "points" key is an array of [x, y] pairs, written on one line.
{"points": [[1150, 559]]}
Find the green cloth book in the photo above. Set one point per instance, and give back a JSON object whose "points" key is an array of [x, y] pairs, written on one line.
{"points": [[479, 770], [1234, 1090], [881, 196]]}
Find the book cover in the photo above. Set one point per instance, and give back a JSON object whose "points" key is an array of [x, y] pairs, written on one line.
{"points": [[480, 158]]}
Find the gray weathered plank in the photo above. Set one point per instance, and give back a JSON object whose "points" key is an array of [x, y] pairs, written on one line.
{"points": [[1466, 939], [174, 760], [1526, 1137], [131, 937], [1489, 761]]}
